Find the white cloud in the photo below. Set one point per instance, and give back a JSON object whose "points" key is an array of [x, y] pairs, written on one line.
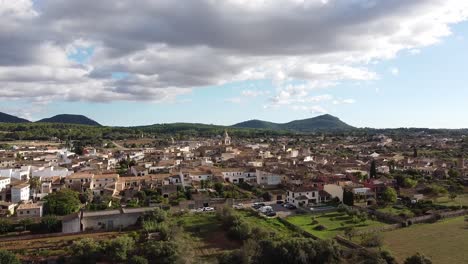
{"points": [[344, 101], [394, 71], [314, 109], [170, 47]]}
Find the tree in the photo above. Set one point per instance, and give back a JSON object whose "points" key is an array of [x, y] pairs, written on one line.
{"points": [[350, 232], [35, 184], [389, 195], [85, 250], [415, 152], [452, 196], [63, 202], [26, 222], [348, 198], [373, 169], [6, 257], [137, 260], [418, 259], [117, 250], [409, 183], [453, 173]]}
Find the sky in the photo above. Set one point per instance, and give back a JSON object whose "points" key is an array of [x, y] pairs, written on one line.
{"points": [[382, 64]]}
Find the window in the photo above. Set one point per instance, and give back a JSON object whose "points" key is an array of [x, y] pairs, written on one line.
{"points": [[313, 194]]}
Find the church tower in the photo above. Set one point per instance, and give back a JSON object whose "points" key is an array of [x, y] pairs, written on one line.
{"points": [[227, 138]]}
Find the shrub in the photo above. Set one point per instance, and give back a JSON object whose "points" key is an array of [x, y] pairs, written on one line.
{"points": [[372, 240], [320, 228]]}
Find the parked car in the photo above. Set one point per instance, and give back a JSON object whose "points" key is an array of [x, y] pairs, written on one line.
{"points": [[208, 209], [289, 206], [279, 202], [265, 209], [257, 205], [238, 206], [270, 213]]}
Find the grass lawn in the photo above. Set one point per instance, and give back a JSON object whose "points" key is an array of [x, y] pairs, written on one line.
{"points": [[396, 211], [461, 199], [444, 242], [335, 223]]}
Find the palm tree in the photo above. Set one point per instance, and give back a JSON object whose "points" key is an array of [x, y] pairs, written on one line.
{"points": [[35, 184]]}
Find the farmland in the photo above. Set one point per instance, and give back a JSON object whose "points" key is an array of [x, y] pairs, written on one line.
{"points": [[443, 242], [335, 224]]}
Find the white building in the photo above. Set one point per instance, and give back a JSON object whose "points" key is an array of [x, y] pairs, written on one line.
{"points": [[238, 176], [20, 192], [267, 178], [51, 172], [4, 182], [29, 210], [303, 196]]}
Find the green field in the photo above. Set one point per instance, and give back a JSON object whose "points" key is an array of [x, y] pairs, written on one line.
{"points": [[461, 199], [396, 211], [444, 242], [334, 222], [210, 240]]}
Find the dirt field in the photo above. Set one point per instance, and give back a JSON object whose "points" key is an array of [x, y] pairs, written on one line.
{"points": [[35, 249], [444, 242]]}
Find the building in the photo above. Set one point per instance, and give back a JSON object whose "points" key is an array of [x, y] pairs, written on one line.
{"points": [[227, 138], [239, 176], [103, 220], [80, 181], [303, 196], [29, 210], [265, 178], [4, 182], [20, 192]]}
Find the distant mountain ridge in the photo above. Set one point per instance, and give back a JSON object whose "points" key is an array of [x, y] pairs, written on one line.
{"points": [[6, 118], [323, 122], [319, 123], [70, 119]]}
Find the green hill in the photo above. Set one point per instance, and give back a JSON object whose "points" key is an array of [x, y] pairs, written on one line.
{"points": [[6, 118], [70, 119], [323, 122]]}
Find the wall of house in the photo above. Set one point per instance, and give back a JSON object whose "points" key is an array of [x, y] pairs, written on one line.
{"points": [[102, 222], [18, 195], [334, 190], [71, 226]]}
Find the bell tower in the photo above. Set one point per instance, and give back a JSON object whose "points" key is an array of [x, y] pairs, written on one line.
{"points": [[227, 138]]}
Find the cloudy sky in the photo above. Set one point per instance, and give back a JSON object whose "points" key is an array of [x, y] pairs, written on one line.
{"points": [[374, 63]]}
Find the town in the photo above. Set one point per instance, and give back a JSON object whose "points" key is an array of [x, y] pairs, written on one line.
{"points": [[379, 195]]}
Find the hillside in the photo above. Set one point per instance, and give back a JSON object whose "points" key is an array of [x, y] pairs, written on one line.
{"points": [[257, 124], [6, 118], [323, 122], [70, 119]]}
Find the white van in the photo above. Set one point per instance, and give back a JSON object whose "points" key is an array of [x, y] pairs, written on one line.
{"points": [[265, 209]]}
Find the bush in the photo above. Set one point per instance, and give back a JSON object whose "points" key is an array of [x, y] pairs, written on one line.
{"points": [[418, 259], [137, 260], [241, 231], [320, 228], [372, 240], [6, 257]]}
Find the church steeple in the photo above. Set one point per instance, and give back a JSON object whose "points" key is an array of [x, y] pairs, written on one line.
{"points": [[227, 138]]}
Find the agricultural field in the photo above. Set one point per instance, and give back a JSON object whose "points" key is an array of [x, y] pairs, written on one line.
{"points": [[444, 242], [460, 200], [334, 222], [210, 240], [38, 248], [396, 211]]}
